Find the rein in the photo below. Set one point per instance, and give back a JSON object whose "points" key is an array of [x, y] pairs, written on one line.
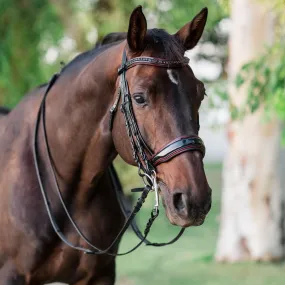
{"points": [[142, 154]]}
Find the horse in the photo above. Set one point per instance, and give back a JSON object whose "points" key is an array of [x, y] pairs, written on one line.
{"points": [[157, 130]]}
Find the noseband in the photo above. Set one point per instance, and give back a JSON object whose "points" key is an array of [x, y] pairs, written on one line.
{"points": [[143, 156]]}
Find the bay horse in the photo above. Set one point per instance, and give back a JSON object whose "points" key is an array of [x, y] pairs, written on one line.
{"points": [[157, 130]]}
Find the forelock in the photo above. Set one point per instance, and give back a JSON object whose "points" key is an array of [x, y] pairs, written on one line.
{"points": [[168, 45]]}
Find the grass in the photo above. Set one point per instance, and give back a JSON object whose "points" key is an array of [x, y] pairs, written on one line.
{"points": [[191, 259]]}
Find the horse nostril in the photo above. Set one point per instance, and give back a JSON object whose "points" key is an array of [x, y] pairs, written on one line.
{"points": [[179, 202], [208, 206]]}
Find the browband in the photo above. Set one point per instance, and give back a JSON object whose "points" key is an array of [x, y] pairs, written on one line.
{"points": [[145, 60]]}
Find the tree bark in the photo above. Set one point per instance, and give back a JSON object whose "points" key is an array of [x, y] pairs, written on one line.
{"points": [[252, 218]]}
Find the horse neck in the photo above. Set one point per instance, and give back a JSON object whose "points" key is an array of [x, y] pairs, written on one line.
{"points": [[78, 119]]}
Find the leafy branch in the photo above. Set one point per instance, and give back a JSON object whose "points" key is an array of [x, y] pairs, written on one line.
{"points": [[265, 79]]}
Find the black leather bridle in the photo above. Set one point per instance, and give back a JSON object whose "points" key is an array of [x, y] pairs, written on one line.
{"points": [[143, 156], [142, 153]]}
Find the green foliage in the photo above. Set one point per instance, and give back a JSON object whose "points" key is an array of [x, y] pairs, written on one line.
{"points": [[113, 15], [23, 26], [265, 80], [28, 28], [172, 15], [225, 4], [264, 77], [128, 175], [181, 12]]}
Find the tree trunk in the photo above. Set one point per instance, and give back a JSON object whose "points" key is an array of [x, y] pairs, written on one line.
{"points": [[252, 218]]}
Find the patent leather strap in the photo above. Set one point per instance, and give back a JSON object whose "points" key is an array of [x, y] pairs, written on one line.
{"points": [[177, 147], [145, 60]]}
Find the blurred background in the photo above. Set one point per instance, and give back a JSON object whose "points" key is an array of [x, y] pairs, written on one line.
{"points": [[241, 59]]}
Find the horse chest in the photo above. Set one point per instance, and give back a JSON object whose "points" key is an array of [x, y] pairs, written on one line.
{"points": [[68, 265]]}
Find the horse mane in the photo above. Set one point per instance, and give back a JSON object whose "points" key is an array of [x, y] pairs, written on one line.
{"points": [[111, 39], [170, 47], [107, 41]]}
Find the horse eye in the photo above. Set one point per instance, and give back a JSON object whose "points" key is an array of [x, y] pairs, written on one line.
{"points": [[140, 100]]}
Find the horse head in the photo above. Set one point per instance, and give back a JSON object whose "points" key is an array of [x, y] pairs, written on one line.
{"points": [[165, 97]]}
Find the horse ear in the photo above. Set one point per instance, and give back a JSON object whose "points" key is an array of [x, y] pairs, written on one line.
{"points": [[137, 30], [191, 33]]}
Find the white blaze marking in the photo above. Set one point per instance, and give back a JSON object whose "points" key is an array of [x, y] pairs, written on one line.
{"points": [[171, 77]]}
